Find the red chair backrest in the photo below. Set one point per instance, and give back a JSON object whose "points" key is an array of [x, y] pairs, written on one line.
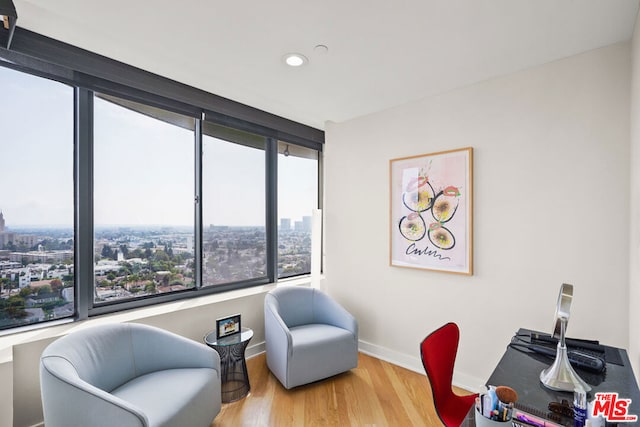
{"points": [[438, 352]]}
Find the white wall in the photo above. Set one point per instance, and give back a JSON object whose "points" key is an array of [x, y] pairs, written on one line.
{"points": [[551, 182], [634, 248]]}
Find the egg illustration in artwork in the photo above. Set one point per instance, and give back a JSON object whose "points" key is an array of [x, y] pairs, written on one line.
{"points": [[419, 197], [441, 237], [444, 207], [412, 227]]}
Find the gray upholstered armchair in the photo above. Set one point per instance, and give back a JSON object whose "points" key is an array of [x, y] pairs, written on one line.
{"points": [[129, 374], [308, 336]]}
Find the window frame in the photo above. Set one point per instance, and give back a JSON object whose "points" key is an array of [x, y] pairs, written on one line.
{"points": [[97, 307], [89, 73], [318, 203], [63, 95], [269, 278]]}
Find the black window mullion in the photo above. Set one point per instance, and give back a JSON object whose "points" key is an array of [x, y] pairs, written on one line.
{"points": [[83, 165], [198, 253], [272, 208]]}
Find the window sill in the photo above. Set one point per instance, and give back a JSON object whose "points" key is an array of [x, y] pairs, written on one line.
{"points": [[63, 327]]}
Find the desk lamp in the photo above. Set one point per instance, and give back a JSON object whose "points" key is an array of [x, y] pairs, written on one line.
{"points": [[560, 375]]}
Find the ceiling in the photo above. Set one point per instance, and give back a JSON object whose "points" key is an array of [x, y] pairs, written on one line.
{"points": [[381, 53]]}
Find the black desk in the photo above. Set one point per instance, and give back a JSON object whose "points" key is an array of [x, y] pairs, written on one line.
{"points": [[521, 371]]}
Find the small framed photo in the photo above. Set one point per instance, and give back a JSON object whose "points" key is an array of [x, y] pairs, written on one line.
{"points": [[227, 326]]}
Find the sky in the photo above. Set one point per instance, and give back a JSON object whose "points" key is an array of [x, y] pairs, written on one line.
{"points": [[144, 168], [36, 158]]}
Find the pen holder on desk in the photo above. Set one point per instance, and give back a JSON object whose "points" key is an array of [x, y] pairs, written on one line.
{"points": [[482, 421], [495, 407]]}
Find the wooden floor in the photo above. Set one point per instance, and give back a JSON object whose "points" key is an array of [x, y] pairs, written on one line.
{"points": [[376, 393]]}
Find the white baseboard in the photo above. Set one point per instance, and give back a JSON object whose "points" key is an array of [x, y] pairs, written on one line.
{"points": [[255, 350], [413, 363], [408, 362]]}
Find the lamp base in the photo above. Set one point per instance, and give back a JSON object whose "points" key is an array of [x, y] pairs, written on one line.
{"points": [[560, 376]]}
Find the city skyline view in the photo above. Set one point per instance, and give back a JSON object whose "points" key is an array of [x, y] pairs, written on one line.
{"points": [[144, 210], [37, 269]]}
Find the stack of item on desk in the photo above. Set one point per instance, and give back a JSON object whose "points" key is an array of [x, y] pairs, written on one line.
{"points": [[496, 407], [589, 355]]}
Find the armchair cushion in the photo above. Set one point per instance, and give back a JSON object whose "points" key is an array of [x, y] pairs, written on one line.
{"points": [[167, 397]]}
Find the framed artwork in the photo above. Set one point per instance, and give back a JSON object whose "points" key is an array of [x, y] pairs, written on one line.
{"points": [[227, 326], [431, 211]]}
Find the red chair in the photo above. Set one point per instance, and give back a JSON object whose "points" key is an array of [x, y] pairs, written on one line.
{"points": [[438, 353]]}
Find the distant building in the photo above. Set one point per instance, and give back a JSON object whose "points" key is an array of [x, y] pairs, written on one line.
{"points": [[5, 236], [68, 294], [57, 274], [105, 266], [306, 223], [109, 294], [28, 240], [285, 224], [34, 300], [8, 265], [24, 279], [41, 256], [218, 227]]}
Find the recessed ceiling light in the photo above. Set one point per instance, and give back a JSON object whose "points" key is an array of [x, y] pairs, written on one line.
{"points": [[295, 59], [321, 49]]}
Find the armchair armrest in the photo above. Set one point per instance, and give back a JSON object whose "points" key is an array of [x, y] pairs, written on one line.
{"points": [[60, 385], [278, 340]]}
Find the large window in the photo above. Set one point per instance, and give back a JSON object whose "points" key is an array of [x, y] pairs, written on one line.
{"points": [[143, 200], [234, 202], [36, 200], [297, 198], [127, 189]]}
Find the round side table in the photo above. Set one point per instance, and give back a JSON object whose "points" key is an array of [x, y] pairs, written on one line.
{"points": [[234, 378]]}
